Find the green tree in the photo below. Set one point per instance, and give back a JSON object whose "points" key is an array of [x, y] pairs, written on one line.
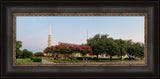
{"points": [[96, 44], [39, 54], [130, 48], [27, 54], [19, 52], [111, 47], [121, 46], [139, 50]]}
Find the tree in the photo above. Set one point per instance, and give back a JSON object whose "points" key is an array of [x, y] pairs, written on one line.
{"points": [[139, 50], [73, 49], [121, 46], [111, 47], [108, 46], [38, 54], [85, 49], [19, 52], [52, 50], [96, 44], [59, 49], [130, 48], [27, 54]]}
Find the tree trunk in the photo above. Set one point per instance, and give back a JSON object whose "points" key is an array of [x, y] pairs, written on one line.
{"points": [[97, 57], [121, 57], [121, 53], [129, 57], [110, 57], [57, 57]]}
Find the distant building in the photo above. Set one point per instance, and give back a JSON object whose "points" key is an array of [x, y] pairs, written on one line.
{"points": [[69, 44]]}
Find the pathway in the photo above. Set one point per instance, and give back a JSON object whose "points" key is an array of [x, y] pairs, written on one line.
{"points": [[46, 62]]}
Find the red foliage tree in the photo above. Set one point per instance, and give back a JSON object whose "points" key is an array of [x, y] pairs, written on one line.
{"points": [[85, 49], [64, 49]]}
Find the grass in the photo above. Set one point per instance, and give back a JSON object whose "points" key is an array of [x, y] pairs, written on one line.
{"points": [[25, 60], [70, 61]]}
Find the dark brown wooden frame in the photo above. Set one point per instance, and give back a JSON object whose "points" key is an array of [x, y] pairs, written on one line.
{"points": [[151, 70], [77, 14]]}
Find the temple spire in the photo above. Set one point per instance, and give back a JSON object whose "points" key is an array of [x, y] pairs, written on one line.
{"points": [[49, 28], [87, 35], [49, 36]]}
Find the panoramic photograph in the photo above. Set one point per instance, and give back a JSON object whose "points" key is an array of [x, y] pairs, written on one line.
{"points": [[80, 40]]}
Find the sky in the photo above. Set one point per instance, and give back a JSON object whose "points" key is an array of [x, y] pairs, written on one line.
{"points": [[33, 30]]}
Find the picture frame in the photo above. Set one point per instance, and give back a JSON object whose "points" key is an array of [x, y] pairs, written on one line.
{"points": [[77, 14], [7, 34]]}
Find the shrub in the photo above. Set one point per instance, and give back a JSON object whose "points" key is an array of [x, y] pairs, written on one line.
{"points": [[79, 58], [94, 58], [89, 58], [74, 58], [129, 58], [36, 59], [32, 57]]}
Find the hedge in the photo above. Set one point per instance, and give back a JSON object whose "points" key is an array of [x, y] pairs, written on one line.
{"points": [[36, 59], [85, 58], [129, 58]]}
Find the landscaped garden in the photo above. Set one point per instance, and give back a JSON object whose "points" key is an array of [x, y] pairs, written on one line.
{"points": [[99, 44], [87, 60]]}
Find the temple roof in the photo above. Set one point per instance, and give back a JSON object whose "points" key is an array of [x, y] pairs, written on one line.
{"points": [[68, 44]]}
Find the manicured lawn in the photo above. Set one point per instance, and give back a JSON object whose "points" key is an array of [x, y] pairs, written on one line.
{"points": [[25, 60], [70, 61]]}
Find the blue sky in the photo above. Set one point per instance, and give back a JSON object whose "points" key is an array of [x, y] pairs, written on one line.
{"points": [[33, 30]]}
